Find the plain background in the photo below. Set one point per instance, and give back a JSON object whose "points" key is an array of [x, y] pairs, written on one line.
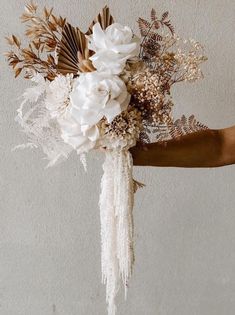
{"points": [[184, 219]]}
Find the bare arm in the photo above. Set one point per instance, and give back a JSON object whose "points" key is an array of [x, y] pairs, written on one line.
{"points": [[207, 148]]}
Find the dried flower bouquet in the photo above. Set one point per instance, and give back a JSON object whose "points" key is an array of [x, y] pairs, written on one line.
{"points": [[106, 88]]}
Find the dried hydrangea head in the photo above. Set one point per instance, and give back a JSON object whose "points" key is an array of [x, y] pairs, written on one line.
{"points": [[150, 95]]}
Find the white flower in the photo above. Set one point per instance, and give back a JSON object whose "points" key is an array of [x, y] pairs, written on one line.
{"points": [[80, 138], [57, 95], [58, 104], [96, 95], [112, 47]]}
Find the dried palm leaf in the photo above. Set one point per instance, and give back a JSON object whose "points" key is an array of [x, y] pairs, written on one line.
{"points": [[104, 18], [73, 42]]}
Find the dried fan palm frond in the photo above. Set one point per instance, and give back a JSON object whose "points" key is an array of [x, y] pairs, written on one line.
{"points": [[73, 53], [85, 65], [104, 18]]}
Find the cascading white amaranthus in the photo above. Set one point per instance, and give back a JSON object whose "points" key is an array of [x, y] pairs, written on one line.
{"points": [[117, 228]]}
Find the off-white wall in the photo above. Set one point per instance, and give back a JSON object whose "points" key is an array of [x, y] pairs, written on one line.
{"points": [[184, 219]]}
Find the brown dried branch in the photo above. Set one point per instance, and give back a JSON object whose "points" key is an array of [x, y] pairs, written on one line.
{"points": [[153, 34], [44, 33]]}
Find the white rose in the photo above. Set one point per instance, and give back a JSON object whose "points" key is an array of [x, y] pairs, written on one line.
{"points": [[112, 47], [96, 95], [80, 138]]}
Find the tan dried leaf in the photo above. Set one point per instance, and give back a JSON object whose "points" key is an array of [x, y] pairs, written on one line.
{"points": [[16, 41], [17, 72], [153, 15], [10, 41], [47, 12], [31, 7], [104, 18]]}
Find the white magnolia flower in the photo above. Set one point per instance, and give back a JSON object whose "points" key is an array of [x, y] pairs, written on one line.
{"points": [[112, 47], [96, 95], [58, 104]]}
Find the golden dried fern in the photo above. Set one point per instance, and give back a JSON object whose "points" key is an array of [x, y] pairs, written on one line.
{"points": [[184, 126]]}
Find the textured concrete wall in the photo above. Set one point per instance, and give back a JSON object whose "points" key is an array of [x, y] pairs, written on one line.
{"points": [[184, 219]]}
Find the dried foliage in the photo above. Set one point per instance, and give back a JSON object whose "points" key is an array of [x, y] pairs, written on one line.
{"points": [[56, 47], [166, 53], [51, 38], [104, 18], [184, 126], [155, 134], [152, 32], [174, 130], [44, 34], [166, 60], [73, 54], [151, 95]]}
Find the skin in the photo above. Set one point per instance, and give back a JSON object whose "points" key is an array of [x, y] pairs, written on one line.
{"points": [[207, 148]]}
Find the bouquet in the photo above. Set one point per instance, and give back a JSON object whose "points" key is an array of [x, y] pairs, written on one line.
{"points": [[108, 89]]}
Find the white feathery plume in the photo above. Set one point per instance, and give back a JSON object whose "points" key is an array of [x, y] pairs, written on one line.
{"points": [[42, 130]]}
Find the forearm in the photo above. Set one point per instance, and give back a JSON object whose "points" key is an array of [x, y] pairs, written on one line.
{"points": [[207, 148]]}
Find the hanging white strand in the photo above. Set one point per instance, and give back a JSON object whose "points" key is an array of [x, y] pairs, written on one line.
{"points": [[116, 205], [124, 195], [108, 234]]}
